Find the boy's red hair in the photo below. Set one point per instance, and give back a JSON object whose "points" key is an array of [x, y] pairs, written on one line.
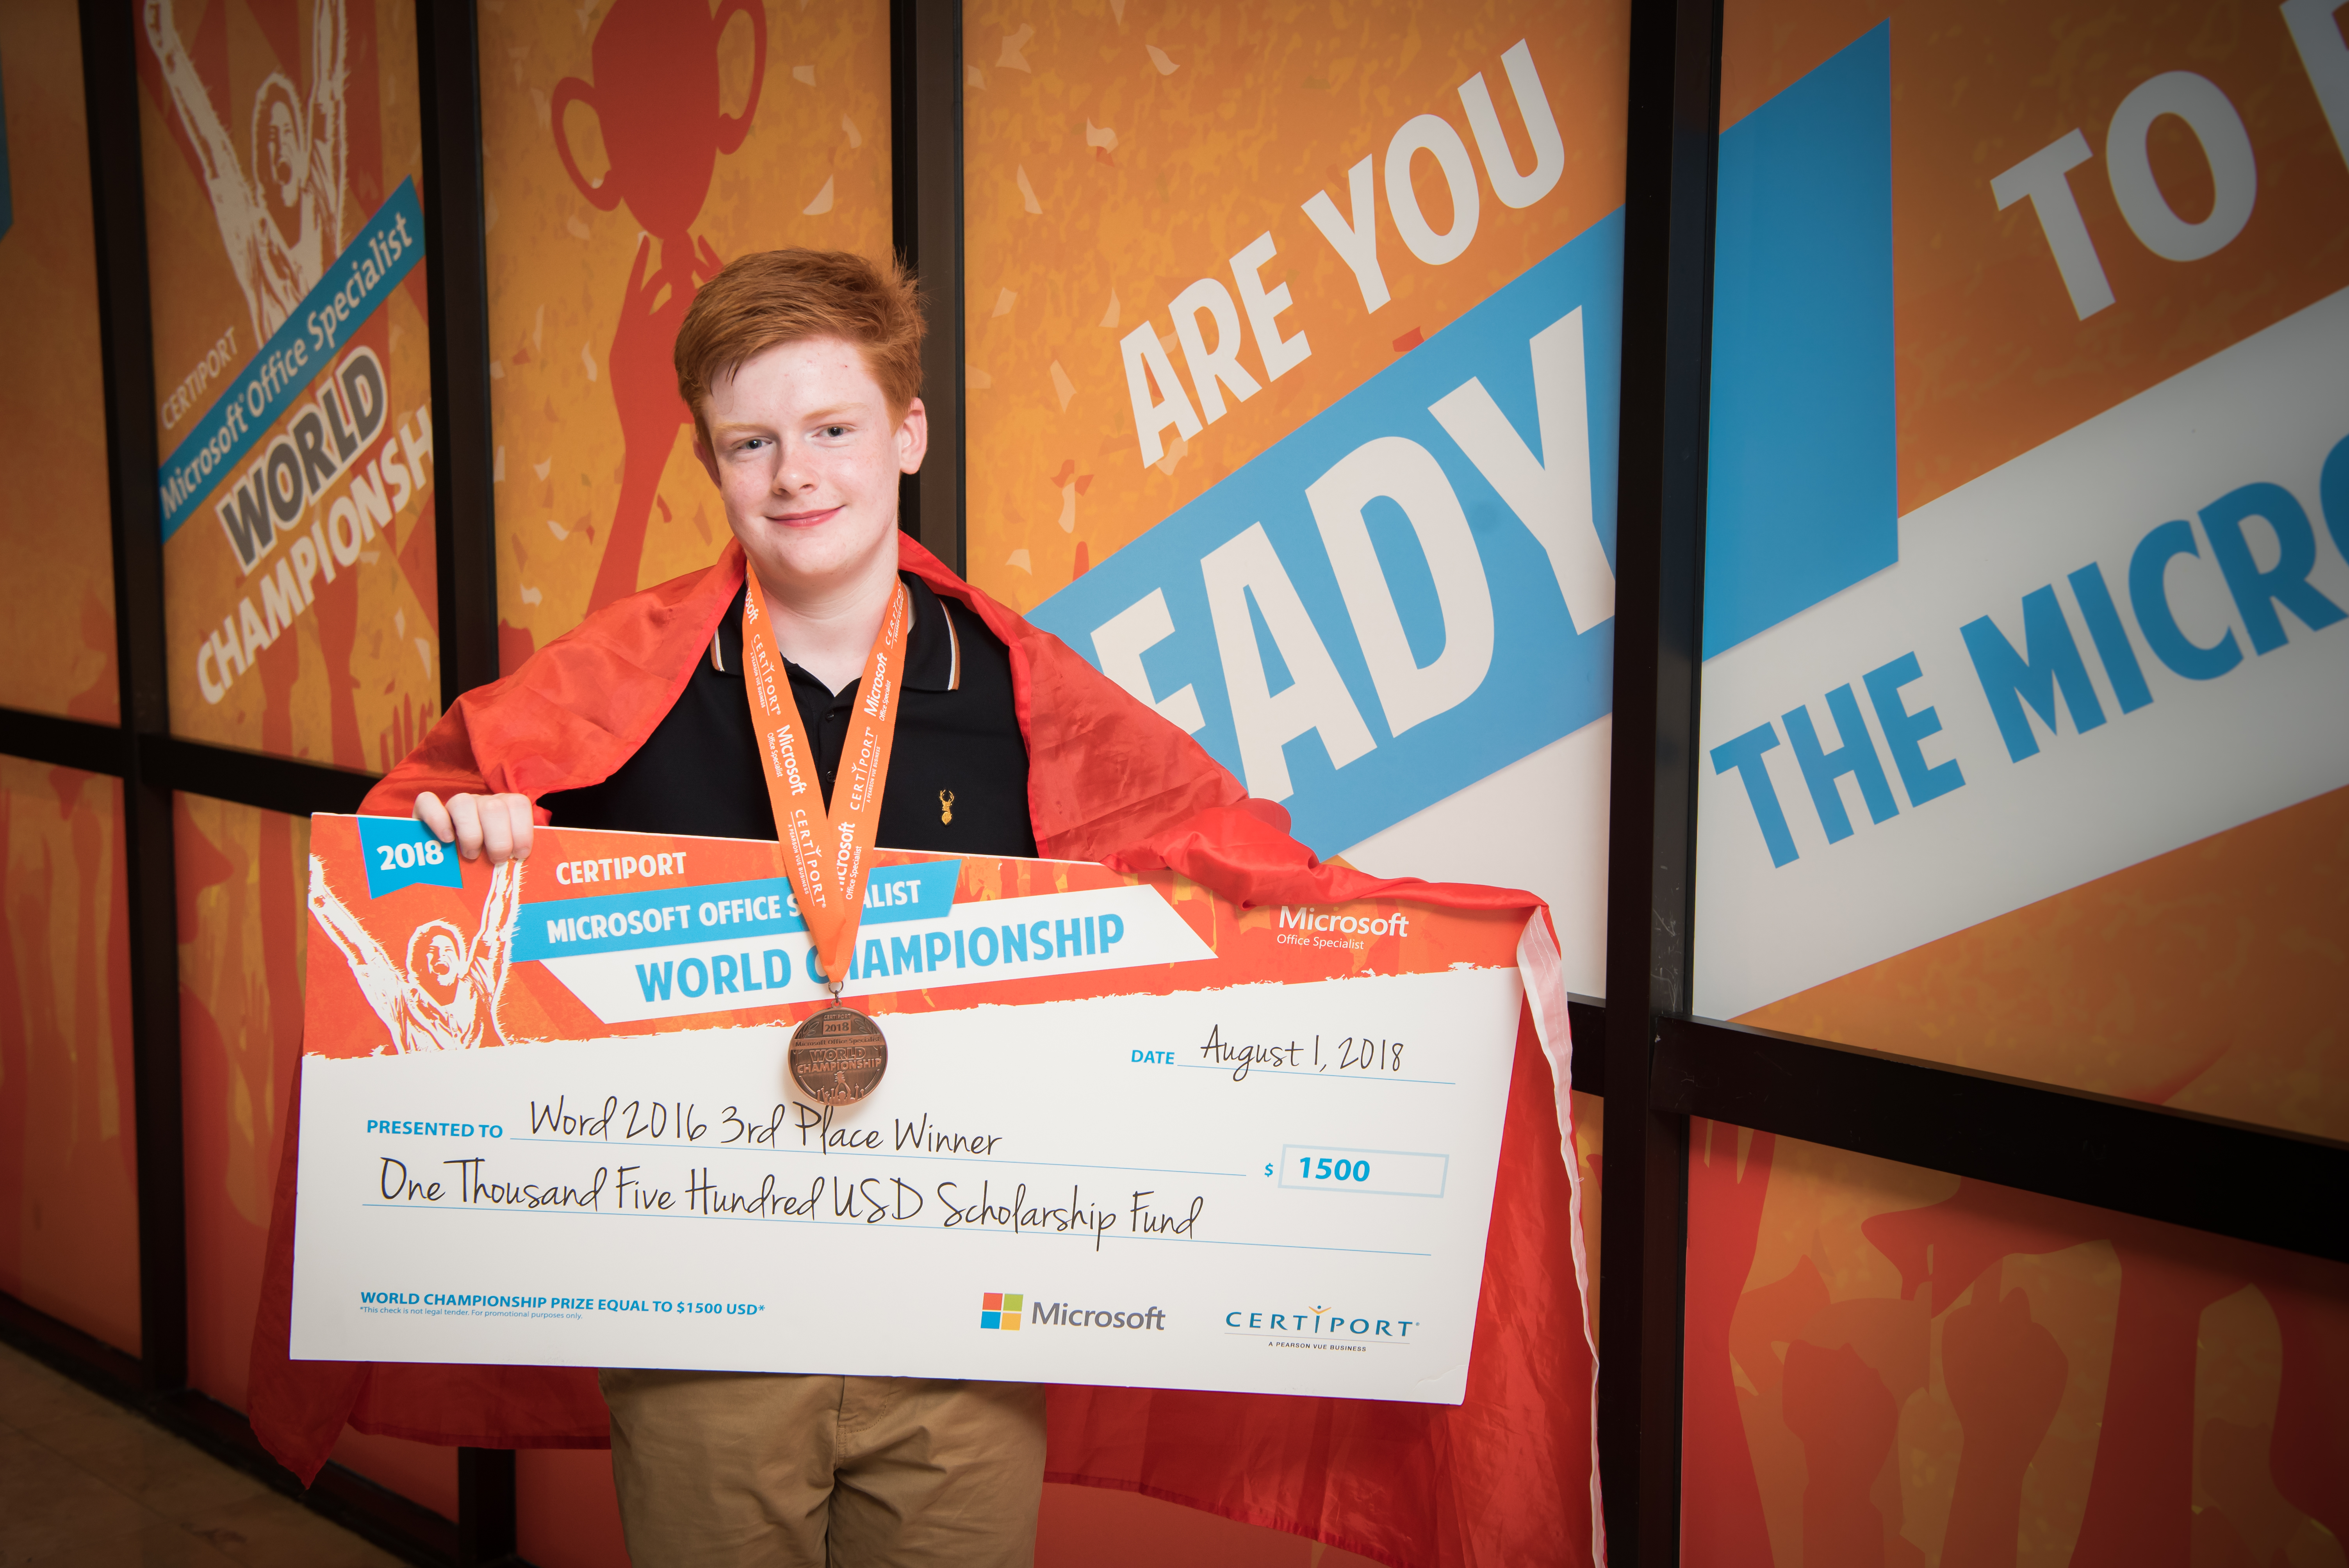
{"points": [[785, 296]]}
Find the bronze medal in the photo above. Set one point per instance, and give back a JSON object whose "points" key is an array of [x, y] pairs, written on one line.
{"points": [[838, 1055]]}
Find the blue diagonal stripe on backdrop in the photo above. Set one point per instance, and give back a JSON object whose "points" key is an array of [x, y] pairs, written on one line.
{"points": [[1803, 497]]}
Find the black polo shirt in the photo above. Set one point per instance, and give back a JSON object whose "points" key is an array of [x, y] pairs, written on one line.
{"points": [[958, 773]]}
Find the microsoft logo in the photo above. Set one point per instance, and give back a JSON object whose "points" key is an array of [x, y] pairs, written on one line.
{"points": [[997, 1310]]}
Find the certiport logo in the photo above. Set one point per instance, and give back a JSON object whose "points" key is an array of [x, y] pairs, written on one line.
{"points": [[1319, 1324], [997, 1310]]}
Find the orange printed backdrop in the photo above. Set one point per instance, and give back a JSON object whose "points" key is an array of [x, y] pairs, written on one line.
{"points": [[1117, 149], [1991, 359], [687, 146], [2208, 978], [2202, 978], [356, 680], [241, 871], [69, 1208], [1889, 1365], [1892, 1365], [56, 640]]}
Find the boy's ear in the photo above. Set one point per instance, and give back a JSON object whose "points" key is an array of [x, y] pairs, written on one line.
{"points": [[708, 460], [913, 436]]}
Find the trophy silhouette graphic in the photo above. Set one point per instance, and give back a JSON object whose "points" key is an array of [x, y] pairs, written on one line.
{"points": [[657, 97]]}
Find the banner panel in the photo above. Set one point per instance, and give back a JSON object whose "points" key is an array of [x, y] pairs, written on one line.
{"points": [[240, 956], [68, 1198], [631, 147], [1293, 358], [241, 969], [286, 246], [57, 639], [1891, 1364], [2026, 574]]}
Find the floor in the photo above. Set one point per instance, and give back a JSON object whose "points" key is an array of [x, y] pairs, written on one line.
{"points": [[84, 1482]]}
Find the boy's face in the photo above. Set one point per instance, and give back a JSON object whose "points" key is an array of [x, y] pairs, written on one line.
{"points": [[804, 452]]}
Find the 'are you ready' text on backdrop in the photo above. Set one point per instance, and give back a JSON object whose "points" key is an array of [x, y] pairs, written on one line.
{"points": [[1291, 402]]}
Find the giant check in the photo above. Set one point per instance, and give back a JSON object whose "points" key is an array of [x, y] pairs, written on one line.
{"points": [[1129, 1133]]}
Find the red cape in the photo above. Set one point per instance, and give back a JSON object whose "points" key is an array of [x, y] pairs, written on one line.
{"points": [[1508, 1476]]}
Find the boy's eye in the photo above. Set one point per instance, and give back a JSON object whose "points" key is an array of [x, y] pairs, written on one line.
{"points": [[835, 430]]}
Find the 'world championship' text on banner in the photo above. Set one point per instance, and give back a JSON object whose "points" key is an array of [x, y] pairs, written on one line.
{"points": [[297, 354], [1131, 1134]]}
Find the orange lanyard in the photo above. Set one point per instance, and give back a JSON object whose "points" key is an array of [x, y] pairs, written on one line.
{"points": [[824, 851]]}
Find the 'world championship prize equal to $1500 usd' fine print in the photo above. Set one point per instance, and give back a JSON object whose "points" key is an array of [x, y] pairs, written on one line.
{"points": [[1130, 1134]]}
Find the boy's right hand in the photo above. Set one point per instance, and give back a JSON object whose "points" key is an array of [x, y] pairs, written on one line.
{"points": [[497, 825]]}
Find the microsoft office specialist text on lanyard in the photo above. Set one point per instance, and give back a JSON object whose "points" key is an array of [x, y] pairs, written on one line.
{"points": [[838, 1055]]}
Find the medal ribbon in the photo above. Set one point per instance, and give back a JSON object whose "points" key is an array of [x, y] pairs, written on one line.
{"points": [[824, 851]]}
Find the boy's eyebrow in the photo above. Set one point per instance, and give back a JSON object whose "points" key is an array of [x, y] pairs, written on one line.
{"points": [[819, 417]]}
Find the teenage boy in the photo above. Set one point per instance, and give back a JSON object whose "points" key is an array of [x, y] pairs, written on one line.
{"points": [[616, 724], [801, 371]]}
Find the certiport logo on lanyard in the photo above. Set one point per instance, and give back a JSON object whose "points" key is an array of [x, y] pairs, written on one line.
{"points": [[837, 1056]]}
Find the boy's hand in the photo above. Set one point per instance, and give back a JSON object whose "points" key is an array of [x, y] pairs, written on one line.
{"points": [[498, 824]]}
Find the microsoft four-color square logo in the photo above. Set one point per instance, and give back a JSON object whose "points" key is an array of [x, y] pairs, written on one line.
{"points": [[997, 1310]]}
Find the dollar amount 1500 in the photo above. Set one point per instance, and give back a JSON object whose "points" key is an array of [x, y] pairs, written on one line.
{"points": [[1391, 1172]]}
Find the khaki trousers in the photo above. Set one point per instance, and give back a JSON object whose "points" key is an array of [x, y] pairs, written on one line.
{"points": [[727, 1470]]}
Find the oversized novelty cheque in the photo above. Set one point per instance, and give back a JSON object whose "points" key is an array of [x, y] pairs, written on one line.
{"points": [[1128, 1132]]}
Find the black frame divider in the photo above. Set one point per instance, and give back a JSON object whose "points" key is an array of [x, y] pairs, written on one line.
{"points": [[65, 742], [487, 1505], [448, 56], [1585, 1021], [926, 191], [464, 505], [457, 288], [255, 777], [1675, 66], [119, 210], [169, 763], [1655, 1064], [2175, 1166]]}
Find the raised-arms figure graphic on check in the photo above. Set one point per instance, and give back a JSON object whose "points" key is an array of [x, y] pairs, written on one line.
{"points": [[445, 998]]}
